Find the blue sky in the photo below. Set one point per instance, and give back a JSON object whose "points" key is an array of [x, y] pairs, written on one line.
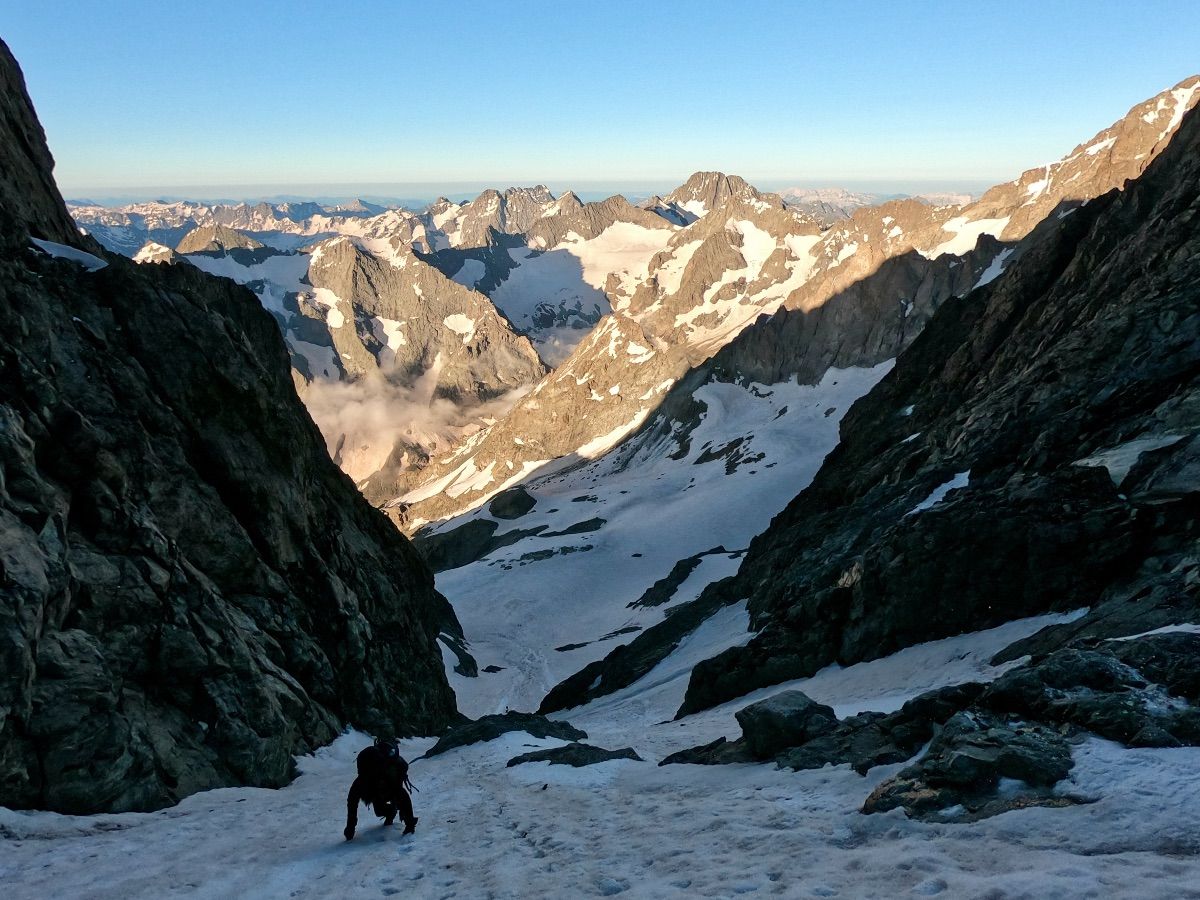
{"points": [[153, 95]]}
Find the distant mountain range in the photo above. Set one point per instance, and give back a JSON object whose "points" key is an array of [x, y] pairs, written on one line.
{"points": [[467, 305]]}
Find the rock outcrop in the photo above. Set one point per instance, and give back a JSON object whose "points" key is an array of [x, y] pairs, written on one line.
{"points": [[966, 763], [406, 319], [784, 720], [574, 755], [156, 253], [190, 590], [488, 728], [991, 747], [218, 239]]}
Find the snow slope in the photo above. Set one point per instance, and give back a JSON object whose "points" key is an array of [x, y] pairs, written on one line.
{"points": [[524, 600], [633, 829], [556, 294]]}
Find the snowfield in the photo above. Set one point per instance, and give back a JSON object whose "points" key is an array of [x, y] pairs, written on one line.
{"points": [[633, 829], [754, 449]]}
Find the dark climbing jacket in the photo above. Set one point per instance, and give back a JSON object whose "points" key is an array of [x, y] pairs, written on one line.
{"points": [[382, 771], [382, 784]]}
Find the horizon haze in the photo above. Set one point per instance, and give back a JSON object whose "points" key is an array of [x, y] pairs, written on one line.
{"points": [[780, 94]]}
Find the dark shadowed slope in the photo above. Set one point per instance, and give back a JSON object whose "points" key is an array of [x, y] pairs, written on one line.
{"points": [[1035, 449], [190, 590]]}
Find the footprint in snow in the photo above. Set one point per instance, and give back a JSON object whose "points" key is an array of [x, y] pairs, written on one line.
{"points": [[610, 887], [930, 887]]}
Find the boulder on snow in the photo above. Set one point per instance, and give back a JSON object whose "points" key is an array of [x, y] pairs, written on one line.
{"points": [[1120, 690], [865, 740], [575, 754], [965, 765], [488, 728], [872, 739], [717, 753], [512, 504], [784, 720]]}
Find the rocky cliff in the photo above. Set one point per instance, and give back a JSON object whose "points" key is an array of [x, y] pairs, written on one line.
{"points": [[1035, 449], [190, 591], [26, 182]]}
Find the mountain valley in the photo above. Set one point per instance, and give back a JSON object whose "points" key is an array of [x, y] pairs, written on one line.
{"points": [[856, 536]]}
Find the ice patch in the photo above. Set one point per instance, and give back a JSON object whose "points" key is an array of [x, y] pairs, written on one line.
{"points": [[995, 269], [600, 445], [334, 317], [62, 251], [966, 235], [1100, 146], [461, 325], [886, 684], [637, 353], [470, 273], [670, 273], [1186, 628], [1123, 457], [939, 493], [1182, 97]]}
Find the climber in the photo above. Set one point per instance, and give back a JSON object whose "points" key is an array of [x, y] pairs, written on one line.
{"points": [[382, 784]]}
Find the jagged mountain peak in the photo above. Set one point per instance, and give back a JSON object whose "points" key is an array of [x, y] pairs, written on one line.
{"points": [[155, 253], [359, 206], [569, 200], [539, 193], [701, 182], [702, 193], [216, 238], [588, 220], [710, 189], [1107, 160]]}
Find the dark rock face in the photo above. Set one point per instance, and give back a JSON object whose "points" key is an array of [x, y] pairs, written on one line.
{"points": [[488, 728], [190, 591], [626, 663], [512, 504], [965, 763], [576, 755], [27, 190], [784, 720], [863, 324], [1034, 385], [467, 543], [664, 589]]}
